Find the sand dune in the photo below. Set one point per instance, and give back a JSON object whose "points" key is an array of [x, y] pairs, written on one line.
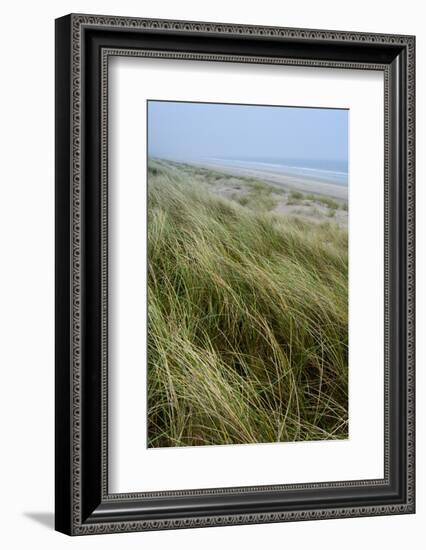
{"points": [[282, 194], [280, 179]]}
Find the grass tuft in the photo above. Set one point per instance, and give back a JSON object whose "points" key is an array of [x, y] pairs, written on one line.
{"points": [[248, 320]]}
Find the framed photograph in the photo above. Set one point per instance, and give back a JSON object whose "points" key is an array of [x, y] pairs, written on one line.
{"points": [[234, 274]]}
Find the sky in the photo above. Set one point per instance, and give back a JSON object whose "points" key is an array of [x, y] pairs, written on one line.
{"points": [[190, 131]]}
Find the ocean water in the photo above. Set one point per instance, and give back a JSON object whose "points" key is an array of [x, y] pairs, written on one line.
{"points": [[332, 171]]}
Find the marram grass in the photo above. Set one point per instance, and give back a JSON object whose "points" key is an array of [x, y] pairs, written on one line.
{"points": [[247, 320]]}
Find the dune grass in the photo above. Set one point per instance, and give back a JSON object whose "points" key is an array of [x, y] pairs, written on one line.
{"points": [[296, 197], [247, 321]]}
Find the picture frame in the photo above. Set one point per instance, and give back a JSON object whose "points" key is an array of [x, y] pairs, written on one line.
{"points": [[83, 503]]}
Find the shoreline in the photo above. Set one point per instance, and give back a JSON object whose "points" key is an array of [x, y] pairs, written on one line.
{"points": [[282, 179], [287, 197]]}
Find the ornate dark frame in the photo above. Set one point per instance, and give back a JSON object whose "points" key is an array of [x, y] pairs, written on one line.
{"points": [[83, 46]]}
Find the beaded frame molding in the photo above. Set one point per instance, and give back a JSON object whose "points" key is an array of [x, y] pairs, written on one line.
{"points": [[84, 44]]}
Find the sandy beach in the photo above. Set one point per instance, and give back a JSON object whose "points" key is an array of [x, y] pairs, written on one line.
{"points": [[280, 179], [280, 193]]}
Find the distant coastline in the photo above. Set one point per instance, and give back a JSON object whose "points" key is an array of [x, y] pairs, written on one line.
{"points": [[326, 172], [276, 191], [307, 180]]}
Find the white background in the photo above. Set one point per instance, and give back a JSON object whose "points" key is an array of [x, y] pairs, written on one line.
{"points": [[26, 299], [360, 456]]}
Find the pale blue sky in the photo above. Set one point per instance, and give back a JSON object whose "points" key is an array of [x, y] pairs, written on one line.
{"points": [[188, 131]]}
